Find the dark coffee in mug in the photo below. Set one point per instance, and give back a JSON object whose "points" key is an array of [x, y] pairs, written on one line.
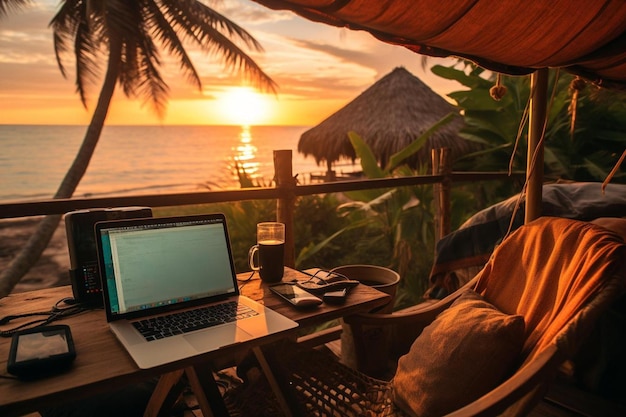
{"points": [[271, 257]]}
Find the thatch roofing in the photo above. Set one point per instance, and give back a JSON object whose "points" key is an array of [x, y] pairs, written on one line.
{"points": [[389, 115]]}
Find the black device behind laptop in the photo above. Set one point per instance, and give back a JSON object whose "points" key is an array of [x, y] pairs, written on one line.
{"points": [[157, 272], [81, 243]]}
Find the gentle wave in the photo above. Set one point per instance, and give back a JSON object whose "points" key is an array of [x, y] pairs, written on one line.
{"points": [[143, 159]]}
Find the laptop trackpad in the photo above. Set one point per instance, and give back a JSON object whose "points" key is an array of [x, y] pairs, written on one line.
{"points": [[217, 337]]}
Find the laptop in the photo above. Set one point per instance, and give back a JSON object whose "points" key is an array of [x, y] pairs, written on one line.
{"points": [[156, 268]]}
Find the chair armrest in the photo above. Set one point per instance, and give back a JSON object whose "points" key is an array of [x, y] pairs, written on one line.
{"points": [[398, 329], [420, 313], [423, 313], [531, 380]]}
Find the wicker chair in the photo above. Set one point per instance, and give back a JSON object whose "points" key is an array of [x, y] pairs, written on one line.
{"points": [[559, 274]]}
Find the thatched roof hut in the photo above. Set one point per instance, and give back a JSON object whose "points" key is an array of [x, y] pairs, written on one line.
{"points": [[388, 116]]}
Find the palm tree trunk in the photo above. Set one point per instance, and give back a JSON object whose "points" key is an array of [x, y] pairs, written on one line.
{"points": [[39, 240]]}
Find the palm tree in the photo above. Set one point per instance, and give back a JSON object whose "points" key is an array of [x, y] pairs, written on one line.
{"points": [[132, 34], [6, 5]]}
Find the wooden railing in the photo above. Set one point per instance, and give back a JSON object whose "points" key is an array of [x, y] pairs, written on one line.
{"points": [[285, 192]]}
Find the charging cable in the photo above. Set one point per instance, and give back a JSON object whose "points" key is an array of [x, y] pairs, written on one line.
{"points": [[54, 314]]}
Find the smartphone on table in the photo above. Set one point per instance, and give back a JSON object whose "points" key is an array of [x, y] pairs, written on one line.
{"points": [[295, 295]]}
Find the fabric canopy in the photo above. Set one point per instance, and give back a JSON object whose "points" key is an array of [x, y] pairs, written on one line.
{"points": [[584, 37], [516, 37]]}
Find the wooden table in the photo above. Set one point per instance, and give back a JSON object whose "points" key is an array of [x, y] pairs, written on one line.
{"points": [[102, 364]]}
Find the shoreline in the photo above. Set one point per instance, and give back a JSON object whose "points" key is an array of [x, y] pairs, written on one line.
{"points": [[51, 270]]}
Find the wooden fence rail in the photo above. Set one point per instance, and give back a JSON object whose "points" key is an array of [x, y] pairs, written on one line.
{"points": [[285, 192]]}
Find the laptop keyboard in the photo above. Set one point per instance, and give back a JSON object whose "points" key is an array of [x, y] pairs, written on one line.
{"points": [[188, 321]]}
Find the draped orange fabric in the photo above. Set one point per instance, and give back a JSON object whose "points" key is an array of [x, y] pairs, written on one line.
{"points": [[559, 263]]}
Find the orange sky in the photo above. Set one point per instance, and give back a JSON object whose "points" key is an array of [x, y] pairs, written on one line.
{"points": [[318, 69]]}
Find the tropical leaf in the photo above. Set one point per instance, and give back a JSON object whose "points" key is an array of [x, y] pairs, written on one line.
{"points": [[369, 163], [396, 159], [469, 80], [7, 6], [312, 249]]}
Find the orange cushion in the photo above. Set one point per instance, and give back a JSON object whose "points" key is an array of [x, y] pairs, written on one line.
{"points": [[467, 351]]}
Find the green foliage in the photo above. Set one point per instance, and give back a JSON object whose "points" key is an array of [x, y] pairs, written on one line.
{"points": [[598, 141], [398, 222], [316, 218], [589, 154], [491, 123], [385, 227]]}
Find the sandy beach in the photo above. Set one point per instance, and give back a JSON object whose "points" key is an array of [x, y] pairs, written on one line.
{"points": [[52, 268]]}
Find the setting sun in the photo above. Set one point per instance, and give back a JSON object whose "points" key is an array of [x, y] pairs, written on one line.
{"points": [[244, 106]]}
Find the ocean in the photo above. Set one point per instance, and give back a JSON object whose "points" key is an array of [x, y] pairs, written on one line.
{"points": [[133, 160]]}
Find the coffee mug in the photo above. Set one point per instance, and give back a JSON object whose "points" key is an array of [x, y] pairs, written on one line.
{"points": [[270, 238]]}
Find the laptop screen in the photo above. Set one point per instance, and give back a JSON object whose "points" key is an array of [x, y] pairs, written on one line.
{"points": [[161, 263]]}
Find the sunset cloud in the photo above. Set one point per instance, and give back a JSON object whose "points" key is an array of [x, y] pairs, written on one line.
{"points": [[318, 69]]}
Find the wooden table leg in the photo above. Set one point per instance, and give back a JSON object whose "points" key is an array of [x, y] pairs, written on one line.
{"points": [[164, 393], [206, 391], [203, 385], [258, 352]]}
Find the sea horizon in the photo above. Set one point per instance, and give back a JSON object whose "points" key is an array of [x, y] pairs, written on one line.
{"points": [[157, 125], [144, 159]]}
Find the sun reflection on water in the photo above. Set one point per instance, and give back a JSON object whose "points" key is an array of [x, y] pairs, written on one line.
{"points": [[245, 160]]}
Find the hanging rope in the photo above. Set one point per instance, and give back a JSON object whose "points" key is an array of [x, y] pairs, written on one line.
{"points": [[613, 171], [498, 91], [534, 157], [520, 130], [575, 87]]}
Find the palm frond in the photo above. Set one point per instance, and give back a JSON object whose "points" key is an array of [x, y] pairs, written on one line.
{"points": [[87, 64], [205, 27], [152, 88], [142, 30], [163, 32], [7, 6]]}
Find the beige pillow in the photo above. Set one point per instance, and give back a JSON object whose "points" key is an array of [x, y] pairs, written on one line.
{"points": [[467, 351]]}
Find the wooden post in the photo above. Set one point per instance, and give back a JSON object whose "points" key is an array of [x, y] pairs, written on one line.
{"points": [[286, 203], [441, 192], [536, 130]]}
